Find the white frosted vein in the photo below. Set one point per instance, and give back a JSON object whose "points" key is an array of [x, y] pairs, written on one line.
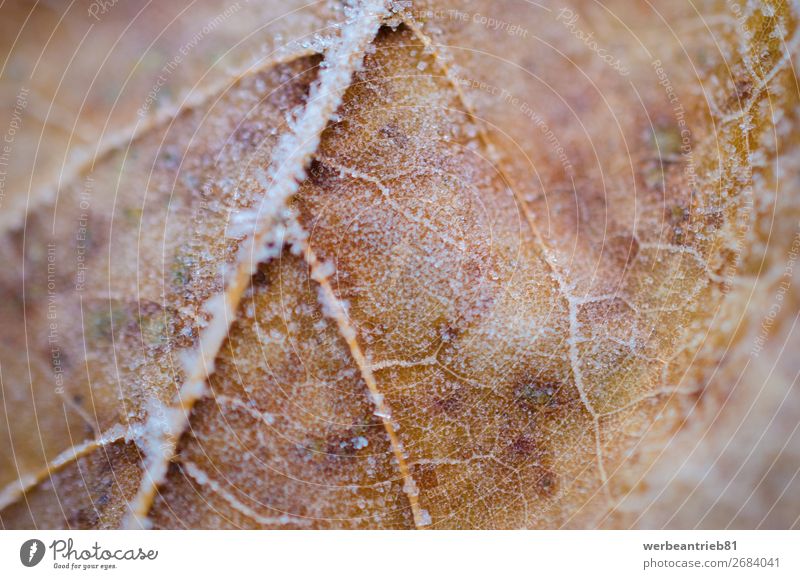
{"points": [[83, 159], [14, 490], [333, 307], [572, 302], [288, 168], [202, 478]]}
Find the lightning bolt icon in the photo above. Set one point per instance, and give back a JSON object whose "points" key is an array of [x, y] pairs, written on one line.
{"points": [[34, 548]]}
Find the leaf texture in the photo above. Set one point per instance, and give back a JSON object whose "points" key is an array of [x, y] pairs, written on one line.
{"points": [[136, 65], [131, 268], [468, 282]]}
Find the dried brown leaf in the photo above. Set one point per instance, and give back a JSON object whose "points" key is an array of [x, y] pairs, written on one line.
{"points": [[462, 329]]}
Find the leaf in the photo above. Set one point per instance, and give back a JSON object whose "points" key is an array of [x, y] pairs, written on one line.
{"points": [[451, 326], [108, 298], [93, 77]]}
